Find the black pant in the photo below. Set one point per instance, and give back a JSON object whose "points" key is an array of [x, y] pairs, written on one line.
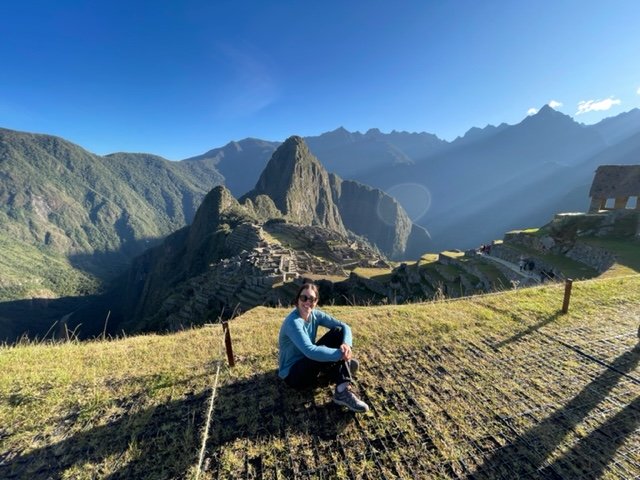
{"points": [[304, 373]]}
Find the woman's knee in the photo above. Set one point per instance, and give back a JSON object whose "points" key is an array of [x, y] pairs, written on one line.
{"points": [[333, 338]]}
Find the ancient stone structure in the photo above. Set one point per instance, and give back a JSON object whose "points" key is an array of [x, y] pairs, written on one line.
{"points": [[614, 186]]}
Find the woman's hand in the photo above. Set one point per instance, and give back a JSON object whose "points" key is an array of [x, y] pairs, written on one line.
{"points": [[346, 351]]}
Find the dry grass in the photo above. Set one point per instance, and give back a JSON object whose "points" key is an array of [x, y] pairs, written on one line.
{"points": [[93, 408], [379, 274], [496, 386]]}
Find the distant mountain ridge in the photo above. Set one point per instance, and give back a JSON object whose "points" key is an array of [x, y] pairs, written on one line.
{"points": [[546, 156], [488, 181]]}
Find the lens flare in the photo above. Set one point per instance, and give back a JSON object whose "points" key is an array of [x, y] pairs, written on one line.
{"points": [[414, 198]]}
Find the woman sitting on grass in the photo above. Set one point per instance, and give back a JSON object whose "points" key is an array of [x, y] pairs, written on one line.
{"points": [[302, 359]]}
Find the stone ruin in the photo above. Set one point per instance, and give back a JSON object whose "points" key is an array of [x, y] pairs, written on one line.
{"points": [[615, 187], [260, 271]]}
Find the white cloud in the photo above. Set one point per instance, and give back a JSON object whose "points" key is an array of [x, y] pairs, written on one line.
{"points": [[532, 111], [554, 104], [638, 91], [595, 105]]}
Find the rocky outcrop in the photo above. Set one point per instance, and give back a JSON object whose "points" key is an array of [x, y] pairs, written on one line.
{"points": [[373, 214], [216, 218], [595, 257], [299, 187]]}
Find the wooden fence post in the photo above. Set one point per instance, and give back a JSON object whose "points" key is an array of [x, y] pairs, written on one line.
{"points": [[567, 295], [227, 343]]}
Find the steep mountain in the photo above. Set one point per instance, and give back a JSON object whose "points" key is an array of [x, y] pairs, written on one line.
{"points": [[184, 254], [299, 186], [226, 262], [458, 180], [455, 182], [98, 212], [474, 134], [345, 153], [303, 191], [533, 197], [373, 214]]}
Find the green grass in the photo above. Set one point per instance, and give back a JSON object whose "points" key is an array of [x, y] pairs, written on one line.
{"points": [[27, 271], [115, 399], [428, 258], [379, 274], [528, 231], [570, 268], [497, 279], [453, 254], [455, 386]]}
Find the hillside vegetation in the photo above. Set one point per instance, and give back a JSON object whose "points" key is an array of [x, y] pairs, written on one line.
{"points": [[495, 386], [97, 211], [31, 270]]}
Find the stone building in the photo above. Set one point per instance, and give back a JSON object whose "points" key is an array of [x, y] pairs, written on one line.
{"points": [[615, 187]]}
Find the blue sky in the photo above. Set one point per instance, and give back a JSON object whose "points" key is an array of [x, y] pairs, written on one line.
{"points": [[177, 78]]}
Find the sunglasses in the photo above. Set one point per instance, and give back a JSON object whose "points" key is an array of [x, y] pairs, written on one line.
{"points": [[304, 298]]}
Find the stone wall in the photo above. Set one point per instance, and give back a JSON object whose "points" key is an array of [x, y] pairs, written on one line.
{"points": [[592, 256]]}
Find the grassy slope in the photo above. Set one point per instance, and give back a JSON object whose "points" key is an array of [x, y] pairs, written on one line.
{"points": [[28, 270], [97, 211], [481, 384]]}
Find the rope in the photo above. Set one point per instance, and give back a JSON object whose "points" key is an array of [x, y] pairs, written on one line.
{"points": [[205, 434]]}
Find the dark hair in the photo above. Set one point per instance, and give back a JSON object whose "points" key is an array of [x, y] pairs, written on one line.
{"points": [[312, 286]]}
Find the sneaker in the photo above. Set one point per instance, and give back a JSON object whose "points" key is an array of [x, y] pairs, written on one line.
{"points": [[348, 399], [353, 365]]}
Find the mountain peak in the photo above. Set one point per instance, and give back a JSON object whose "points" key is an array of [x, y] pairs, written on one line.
{"points": [[546, 110], [549, 116], [299, 186], [294, 140]]}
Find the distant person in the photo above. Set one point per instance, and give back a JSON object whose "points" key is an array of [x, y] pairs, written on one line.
{"points": [[521, 263], [302, 359]]}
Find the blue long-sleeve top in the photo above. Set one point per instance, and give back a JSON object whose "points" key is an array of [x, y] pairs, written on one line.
{"points": [[297, 339]]}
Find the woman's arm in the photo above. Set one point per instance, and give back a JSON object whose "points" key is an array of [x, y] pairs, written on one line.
{"points": [[294, 329]]}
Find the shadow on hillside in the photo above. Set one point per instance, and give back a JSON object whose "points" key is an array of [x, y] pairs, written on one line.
{"points": [[158, 442], [34, 318], [527, 455], [107, 265], [265, 407], [531, 329]]}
